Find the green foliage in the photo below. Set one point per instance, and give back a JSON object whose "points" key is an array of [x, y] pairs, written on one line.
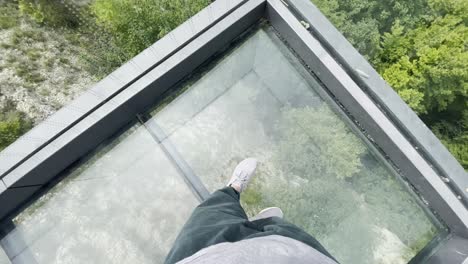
{"points": [[25, 64], [56, 13], [428, 65], [112, 31], [363, 21], [103, 55], [420, 49], [8, 16], [26, 36], [136, 24], [13, 124], [454, 135], [120, 29], [456, 8]]}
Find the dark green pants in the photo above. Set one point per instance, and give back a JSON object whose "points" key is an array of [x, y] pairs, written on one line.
{"points": [[221, 218]]}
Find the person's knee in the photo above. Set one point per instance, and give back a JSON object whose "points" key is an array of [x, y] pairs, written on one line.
{"points": [[220, 197]]}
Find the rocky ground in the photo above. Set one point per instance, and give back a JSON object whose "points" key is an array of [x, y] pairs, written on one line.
{"points": [[39, 68]]}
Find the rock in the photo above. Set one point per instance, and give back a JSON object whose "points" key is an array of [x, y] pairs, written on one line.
{"points": [[389, 248]]}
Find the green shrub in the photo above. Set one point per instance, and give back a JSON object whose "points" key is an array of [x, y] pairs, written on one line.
{"points": [[8, 16], [54, 13], [13, 124], [428, 66], [454, 135], [364, 21], [103, 55], [20, 37], [136, 24]]}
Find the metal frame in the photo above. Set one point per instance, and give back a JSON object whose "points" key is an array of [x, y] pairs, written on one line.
{"points": [[38, 157], [184, 169], [14, 245]]}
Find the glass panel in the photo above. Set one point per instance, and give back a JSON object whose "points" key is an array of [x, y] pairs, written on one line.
{"points": [[125, 204], [259, 101], [3, 257], [52, 51]]}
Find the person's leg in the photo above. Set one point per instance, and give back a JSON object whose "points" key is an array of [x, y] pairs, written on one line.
{"points": [[221, 218], [218, 219]]}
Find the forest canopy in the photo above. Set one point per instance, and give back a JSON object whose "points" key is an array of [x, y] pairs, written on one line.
{"points": [[420, 48]]}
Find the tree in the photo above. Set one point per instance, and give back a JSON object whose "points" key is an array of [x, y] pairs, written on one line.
{"points": [[419, 48], [364, 21], [454, 135], [427, 66]]}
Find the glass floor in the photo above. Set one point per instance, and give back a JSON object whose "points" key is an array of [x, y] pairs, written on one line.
{"points": [[124, 205], [4, 258], [128, 200]]}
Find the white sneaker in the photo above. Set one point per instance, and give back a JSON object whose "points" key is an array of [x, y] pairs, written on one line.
{"points": [[242, 174], [268, 212]]}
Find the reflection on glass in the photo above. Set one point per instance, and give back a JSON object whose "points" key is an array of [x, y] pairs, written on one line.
{"points": [[124, 205], [259, 101]]}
